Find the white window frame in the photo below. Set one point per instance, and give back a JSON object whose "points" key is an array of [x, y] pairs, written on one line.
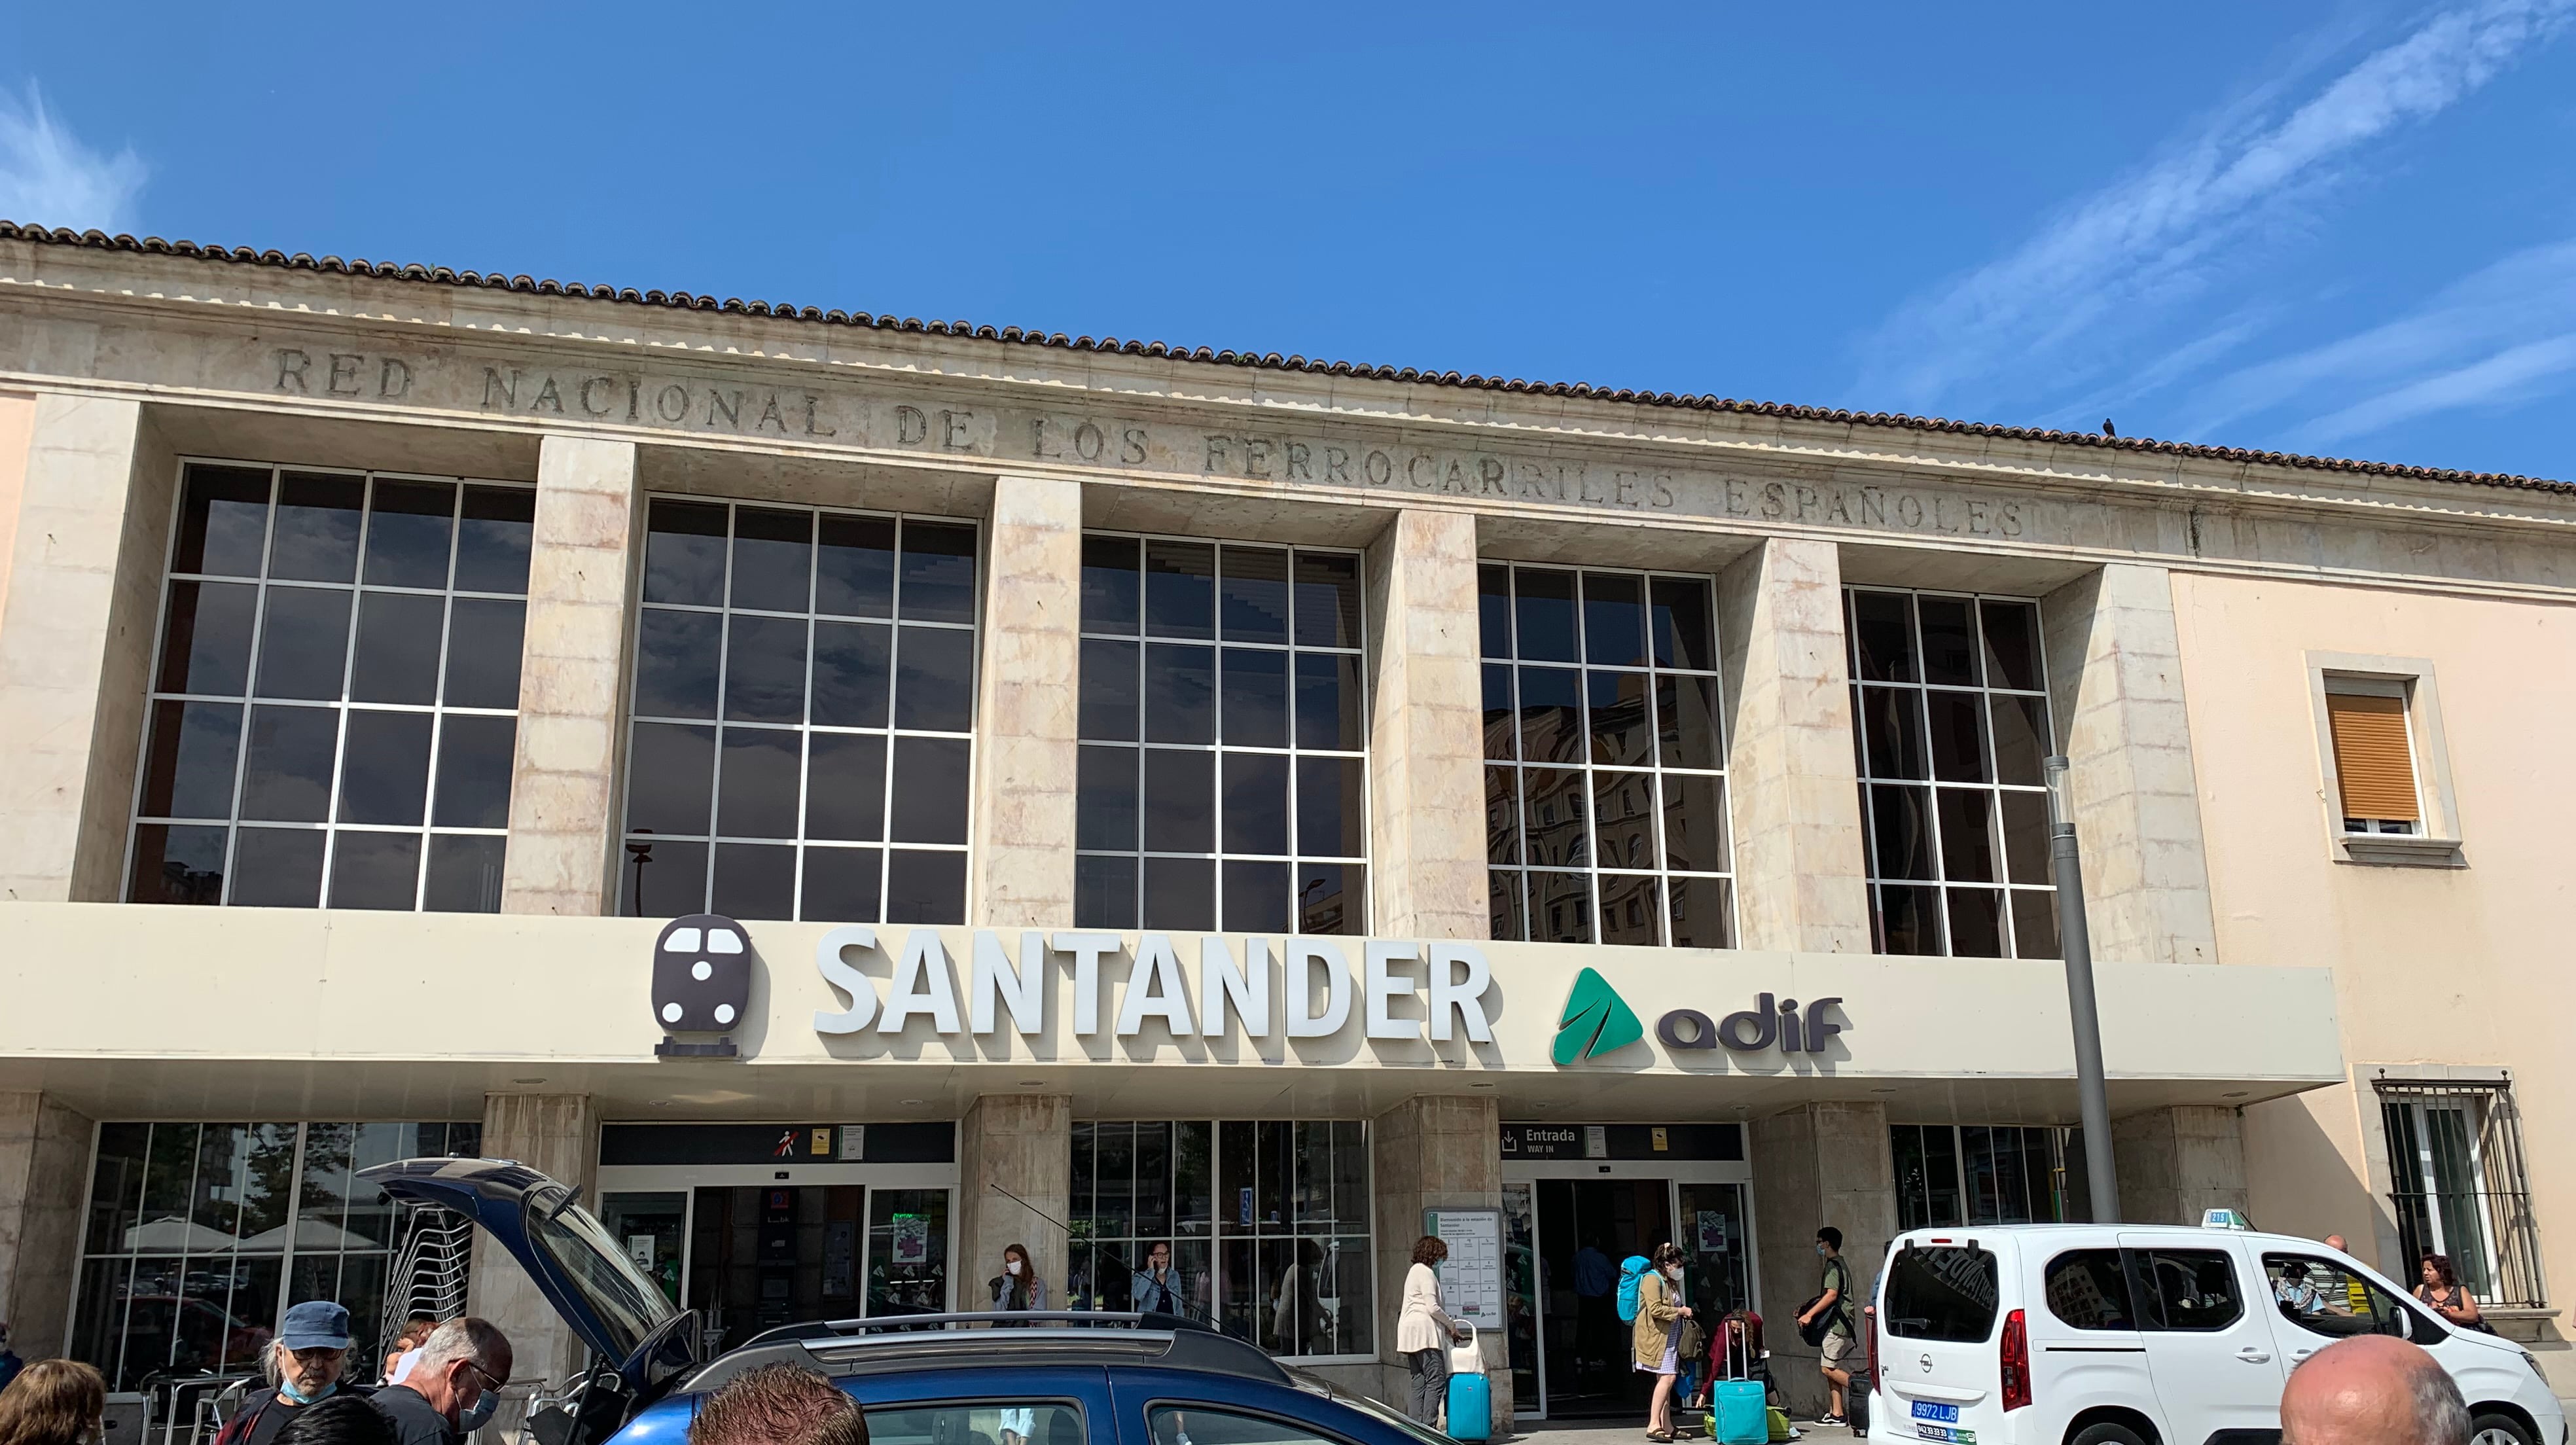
{"points": [[2439, 845]]}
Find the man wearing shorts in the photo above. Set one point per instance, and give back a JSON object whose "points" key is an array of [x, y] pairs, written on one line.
{"points": [[1834, 1303]]}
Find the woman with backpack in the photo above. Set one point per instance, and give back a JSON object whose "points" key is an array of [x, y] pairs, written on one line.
{"points": [[1655, 1346]]}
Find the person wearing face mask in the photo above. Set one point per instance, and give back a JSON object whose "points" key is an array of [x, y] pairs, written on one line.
{"points": [[1424, 1330], [1156, 1290], [464, 1361], [1833, 1307], [1017, 1287], [304, 1365], [1655, 1346]]}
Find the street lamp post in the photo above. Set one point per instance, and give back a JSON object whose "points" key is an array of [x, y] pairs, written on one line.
{"points": [[2075, 940]]}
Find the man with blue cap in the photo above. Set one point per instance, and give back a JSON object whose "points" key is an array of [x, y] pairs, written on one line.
{"points": [[304, 1362]]}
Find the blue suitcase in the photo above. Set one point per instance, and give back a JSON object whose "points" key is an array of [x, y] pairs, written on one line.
{"points": [[1471, 1408], [1740, 1413], [1471, 1395]]}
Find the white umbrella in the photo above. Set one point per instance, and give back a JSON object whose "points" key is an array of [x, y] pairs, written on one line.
{"points": [[172, 1233]]}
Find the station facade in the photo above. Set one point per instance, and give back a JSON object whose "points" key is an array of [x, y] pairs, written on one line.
{"points": [[854, 795]]}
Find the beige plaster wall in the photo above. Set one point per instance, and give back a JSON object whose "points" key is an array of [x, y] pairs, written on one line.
{"points": [[1026, 689], [2432, 966], [44, 1171], [17, 429]]}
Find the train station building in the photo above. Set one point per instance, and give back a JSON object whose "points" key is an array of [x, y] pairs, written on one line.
{"points": [[854, 794]]}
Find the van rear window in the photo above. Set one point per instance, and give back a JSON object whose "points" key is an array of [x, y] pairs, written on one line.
{"points": [[1940, 1292]]}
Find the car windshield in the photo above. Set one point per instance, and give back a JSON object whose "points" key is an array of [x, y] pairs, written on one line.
{"points": [[629, 1305]]}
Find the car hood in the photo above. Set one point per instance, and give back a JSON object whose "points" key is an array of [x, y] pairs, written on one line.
{"points": [[609, 1303]]}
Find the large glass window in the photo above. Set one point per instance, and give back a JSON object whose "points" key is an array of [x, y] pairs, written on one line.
{"points": [[335, 701], [804, 715], [1268, 1224], [1960, 1174], [1949, 725], [200, 1235], [1605, 774], [1224, 764]]}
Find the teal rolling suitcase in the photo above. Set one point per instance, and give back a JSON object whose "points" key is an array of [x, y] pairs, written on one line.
{"points": [[1471, 1397], [1739, 1408]]}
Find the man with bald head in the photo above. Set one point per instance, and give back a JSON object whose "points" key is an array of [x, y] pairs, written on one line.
{"points": [[2372, 1390]]}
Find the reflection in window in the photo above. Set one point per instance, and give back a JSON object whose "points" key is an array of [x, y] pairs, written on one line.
{"points": [[1605, 783], [803, 717], [1949, 727], [334, 707], [1223, 780], [1268, 1224], [200, 1235], [1958, 1174]]}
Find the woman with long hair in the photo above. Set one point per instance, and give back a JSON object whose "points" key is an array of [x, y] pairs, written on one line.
{"points": [[1018, 1287], [54, 1402], [2442, 1290], [1655, 1346], [1423, 1332]]}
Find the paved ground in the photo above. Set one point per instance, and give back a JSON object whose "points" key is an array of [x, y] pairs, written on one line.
{"points": [[1631, 1432]]}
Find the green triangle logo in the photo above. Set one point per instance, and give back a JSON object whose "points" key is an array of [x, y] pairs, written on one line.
{"points": [[1596, 1021]]}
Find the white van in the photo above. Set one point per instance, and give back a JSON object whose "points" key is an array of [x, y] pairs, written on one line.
{"points": [[2080, 1334]]}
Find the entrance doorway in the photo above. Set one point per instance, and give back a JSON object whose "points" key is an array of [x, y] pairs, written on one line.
{"points": [[1576, 1204], [800, 1235]]}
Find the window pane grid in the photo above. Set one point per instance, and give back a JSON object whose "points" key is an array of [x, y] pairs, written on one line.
{"points": [[1268, 1226], [1223, 780], [1950, 722], [231, 777], [767, 836], [1606, 802]]}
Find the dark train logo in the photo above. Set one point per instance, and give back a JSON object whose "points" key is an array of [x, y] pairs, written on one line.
{"points": [[701, 974]]}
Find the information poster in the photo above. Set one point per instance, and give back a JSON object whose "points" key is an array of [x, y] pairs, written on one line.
{"points": [[1471, 1282], [911, 1238]]}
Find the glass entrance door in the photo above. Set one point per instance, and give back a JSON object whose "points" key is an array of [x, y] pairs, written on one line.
{"points": [[753, 1257], [1585, 1228]]}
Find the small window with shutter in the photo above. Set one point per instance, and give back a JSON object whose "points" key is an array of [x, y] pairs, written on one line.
{"points": [[2374, 756]]}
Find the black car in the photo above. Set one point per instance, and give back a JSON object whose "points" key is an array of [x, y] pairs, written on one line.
{"points": [[1057, 1378]]}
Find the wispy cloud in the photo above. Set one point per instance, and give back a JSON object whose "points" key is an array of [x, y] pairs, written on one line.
{"points": [[48, 177], [2498, 336], [2043, 323]]}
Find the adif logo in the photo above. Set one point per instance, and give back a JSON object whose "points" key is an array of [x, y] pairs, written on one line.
{"points": [[1597, 1021]]}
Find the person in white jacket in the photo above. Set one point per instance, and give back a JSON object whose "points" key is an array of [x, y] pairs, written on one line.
{"points": [[1424, 1330]]}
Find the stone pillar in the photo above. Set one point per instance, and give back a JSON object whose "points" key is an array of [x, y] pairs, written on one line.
{"points": [[1024, 1143], [2115, 687], [2173, 1163], [1433, 1151], [558, 1135], [44, 1172], [1027, 687], [1814, 1165], [1426, 730], [77, 627], [1800, 868], [566, 784]]}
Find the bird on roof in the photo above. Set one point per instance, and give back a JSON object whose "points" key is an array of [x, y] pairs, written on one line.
{"points": [[2107, 429]]}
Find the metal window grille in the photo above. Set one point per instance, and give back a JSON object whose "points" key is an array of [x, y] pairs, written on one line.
{"points": [[2459, 1186]]}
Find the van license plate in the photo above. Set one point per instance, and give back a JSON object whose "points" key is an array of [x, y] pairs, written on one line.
{"points": [[1934, 1410]]}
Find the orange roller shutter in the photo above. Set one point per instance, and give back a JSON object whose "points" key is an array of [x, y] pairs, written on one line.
{"points": [[2372, 759]]}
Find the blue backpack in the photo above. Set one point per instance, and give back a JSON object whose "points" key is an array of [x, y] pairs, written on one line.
{"points": [[1632, 1269]]}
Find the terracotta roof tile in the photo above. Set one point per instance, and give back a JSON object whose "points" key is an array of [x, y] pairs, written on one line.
{"points": [[687, 301]]}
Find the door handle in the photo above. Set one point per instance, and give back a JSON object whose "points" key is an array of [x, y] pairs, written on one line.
{"points": [[2253, 1356], [2302, 1352]]}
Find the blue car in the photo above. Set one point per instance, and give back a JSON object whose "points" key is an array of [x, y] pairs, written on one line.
{"points": [[1061, 1378]]}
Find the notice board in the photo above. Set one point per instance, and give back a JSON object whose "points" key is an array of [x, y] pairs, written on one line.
{"points": [[1471, 1283]]}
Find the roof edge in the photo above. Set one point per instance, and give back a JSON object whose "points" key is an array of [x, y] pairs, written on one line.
{"points": [[1271, 361]]}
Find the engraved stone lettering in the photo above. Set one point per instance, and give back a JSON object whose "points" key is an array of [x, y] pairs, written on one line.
{"points": [[1413, 470], [634, 399], [731, 407], [592, 386], [343, 379], [952, 430], [812, 427], [393, 380], [769, 416], [1089, 441], [493, 385], [1378, 467], [1256, 458], [1489, 475], [1216, 448], [1909, 509], [1135, 452], [547, 396], [911, 426], [1301, 462], [1337, 465], [671, 403], [291, 366]]}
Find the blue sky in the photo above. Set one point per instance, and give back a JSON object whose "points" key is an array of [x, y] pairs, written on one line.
{"points": [[2347, 228]]}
